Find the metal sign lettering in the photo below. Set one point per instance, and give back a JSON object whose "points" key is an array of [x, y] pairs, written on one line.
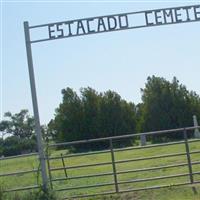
{"points": [[119, 22]]}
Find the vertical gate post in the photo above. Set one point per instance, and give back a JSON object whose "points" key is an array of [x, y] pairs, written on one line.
{"points": [[63, 162], [114, 166], [189, 159], [196, 130], [188, 155], [49, 167], [35, 106]]}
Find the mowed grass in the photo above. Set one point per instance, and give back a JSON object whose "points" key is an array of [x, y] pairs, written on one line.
{"points": [[170, 193]]}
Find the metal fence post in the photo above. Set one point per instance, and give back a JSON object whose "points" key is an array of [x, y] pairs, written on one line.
{"points": [[189, 159], [35, 106], [114, 166], [196, 130], [63, 163], [49, 167], [188, 155]]}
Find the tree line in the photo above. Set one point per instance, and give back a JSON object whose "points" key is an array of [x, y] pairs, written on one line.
{"points": [[165, 105]]}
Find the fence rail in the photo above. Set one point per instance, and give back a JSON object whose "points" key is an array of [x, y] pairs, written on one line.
{"points": [[19, 173], [121, 166], [113, 165], [18, 156], [124, 136]]}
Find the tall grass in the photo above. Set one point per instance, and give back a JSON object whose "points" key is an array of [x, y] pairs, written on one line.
{"points": [[175, 193], [1, 193], [33, 195]]}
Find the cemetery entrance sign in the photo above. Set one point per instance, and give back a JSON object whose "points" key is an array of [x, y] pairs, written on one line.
{"points": [[94, 25], [117, 22]]}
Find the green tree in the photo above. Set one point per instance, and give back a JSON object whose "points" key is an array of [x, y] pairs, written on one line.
{"points": [[1, 146], [18, 130], [91, 112], [167, 105], [117, 116], [67, 124], [92, 115], [19, 124]]}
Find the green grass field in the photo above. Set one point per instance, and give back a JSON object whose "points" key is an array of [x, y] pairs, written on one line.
{"points": [[171, 193]]}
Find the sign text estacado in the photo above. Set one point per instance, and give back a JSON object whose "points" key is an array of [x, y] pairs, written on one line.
{"points": [[124, 21]]}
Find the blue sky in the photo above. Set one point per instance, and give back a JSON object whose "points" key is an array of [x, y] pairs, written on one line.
{"points": [[120, 61]]}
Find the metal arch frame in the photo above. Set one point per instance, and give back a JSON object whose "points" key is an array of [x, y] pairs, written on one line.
{"points": [[35, 106], [127, 27]]}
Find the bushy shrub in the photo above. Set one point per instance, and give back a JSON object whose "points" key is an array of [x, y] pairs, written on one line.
{"points": [[14, 145]]}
